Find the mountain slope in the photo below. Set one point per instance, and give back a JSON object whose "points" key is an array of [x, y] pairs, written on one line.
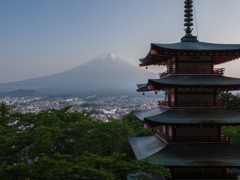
{"points": [[21, 93], [105, 73]]}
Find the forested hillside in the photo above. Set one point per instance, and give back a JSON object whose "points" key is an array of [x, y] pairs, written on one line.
{"points": [[57, 145]]}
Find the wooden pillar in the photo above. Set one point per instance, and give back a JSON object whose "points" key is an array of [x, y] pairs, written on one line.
{"points": [[147, 126], [176, 64], [175, 96], [219, 132], [169, 97], [173, 133], [212, 63], [215, 97], [164, 129]]}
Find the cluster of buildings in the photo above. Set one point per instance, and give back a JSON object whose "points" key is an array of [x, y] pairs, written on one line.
{"points": [[103, 107]]}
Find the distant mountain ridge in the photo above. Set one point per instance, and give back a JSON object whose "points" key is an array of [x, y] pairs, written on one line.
{"points": [[21, 93], [104, 74]]}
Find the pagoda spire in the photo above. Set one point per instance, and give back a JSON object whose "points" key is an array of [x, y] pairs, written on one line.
{"points": [[188, 22]]}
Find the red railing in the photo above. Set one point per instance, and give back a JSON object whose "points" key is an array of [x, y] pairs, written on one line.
{"points": [[162, 135], [204, 175], [222, 138], [192, 103], [192, 71]]}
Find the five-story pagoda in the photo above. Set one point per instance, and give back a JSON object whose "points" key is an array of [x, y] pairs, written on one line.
{"points": [[190, 143]]}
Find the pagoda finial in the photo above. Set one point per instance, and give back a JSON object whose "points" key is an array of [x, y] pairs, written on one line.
{"points": [[188, 22]]}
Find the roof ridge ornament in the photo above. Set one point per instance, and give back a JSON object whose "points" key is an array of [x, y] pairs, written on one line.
{"points": [[188, 23]]}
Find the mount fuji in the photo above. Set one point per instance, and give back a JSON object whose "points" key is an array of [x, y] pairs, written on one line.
{"points": [[104, 74]]}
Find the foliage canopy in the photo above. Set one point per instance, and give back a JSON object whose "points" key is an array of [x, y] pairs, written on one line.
{"points": [[233, 103], [58, 144]]}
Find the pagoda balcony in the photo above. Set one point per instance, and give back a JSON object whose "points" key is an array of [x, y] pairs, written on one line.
{"points": [[189, 71], [191, 104], [222, 138], [205, 175]]}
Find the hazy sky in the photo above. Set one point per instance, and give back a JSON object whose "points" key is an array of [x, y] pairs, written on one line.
{"points": [[44, 37]]}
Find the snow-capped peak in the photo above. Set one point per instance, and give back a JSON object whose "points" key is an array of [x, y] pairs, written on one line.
{"points": [[105, 56], [109, 57], [113, 56]]}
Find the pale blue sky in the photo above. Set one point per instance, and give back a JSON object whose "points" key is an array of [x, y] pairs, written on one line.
{"points": [[44, 37]]}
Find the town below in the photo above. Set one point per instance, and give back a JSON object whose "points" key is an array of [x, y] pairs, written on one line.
{"points": [[102, 108]]}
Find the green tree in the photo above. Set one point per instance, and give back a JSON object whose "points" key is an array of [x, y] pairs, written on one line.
{"points": [[233, 103], [65, 145], [234, 132], [137, 126]]}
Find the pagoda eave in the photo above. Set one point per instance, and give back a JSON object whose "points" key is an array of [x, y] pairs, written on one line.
{"points": [[191, 117], [201, 47], [192, 125], [185, 155], [196, 155], [162, 88], [160, 53], [219, 82]]}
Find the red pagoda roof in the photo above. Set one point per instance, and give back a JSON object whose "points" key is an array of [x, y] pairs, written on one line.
{"points": [[195, 116], [197, 81], [144, 147], [185, 155], [197, 155], [160, 53]]}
